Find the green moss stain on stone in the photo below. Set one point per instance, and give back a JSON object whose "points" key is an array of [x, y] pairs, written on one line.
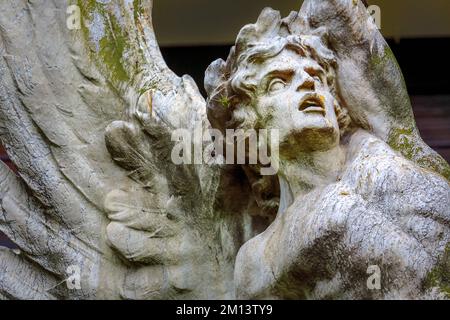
{"points": [[224, 101], [110, 49], [446, 172], [440, 276], [403, 140], [391, 83], [388, 56], [137, 5]]}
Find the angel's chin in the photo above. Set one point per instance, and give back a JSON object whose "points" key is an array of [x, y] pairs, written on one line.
{"points": [[309, 139]]}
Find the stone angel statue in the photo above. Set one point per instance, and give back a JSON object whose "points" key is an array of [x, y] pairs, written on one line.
{"points": [[99, 209]]}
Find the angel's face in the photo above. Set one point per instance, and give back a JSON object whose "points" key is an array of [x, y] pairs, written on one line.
{"points": [[293, 97]]}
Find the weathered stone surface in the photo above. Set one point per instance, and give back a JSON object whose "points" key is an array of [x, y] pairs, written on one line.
{"points": [[351, 195], [87, 117]]}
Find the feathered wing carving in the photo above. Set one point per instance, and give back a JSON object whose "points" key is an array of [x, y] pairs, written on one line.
{"points": [[133, 232], [54, 104]]}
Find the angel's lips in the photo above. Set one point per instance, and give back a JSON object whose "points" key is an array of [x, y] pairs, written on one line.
{"points": [[312, 104]]}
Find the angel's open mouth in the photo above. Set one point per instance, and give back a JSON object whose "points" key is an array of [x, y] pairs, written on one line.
{"points": [[312, 105]]}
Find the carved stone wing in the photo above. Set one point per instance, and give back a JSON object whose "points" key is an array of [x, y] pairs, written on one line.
{"points": [[68, 71]]}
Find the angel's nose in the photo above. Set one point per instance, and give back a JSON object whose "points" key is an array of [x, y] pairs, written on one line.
{"points": [[307, 83]]}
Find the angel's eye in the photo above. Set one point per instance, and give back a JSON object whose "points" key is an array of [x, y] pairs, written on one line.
{"points": [[276, 85]]}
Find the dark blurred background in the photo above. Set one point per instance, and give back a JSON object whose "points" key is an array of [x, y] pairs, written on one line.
{"points": [[193, 33]]}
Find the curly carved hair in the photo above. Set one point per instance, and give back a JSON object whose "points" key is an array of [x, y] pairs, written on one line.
{"points": [[229, 83]]}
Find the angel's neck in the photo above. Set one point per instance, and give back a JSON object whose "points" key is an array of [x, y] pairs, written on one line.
{"points": [[309, 171]]}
